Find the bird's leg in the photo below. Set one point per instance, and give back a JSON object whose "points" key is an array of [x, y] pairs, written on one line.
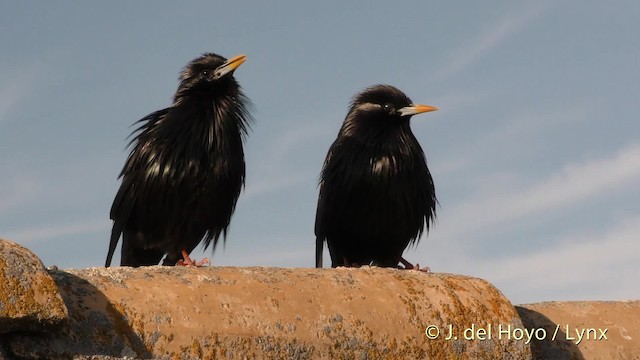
{"points": [[348, 263], [409, 266], [187, 261]]}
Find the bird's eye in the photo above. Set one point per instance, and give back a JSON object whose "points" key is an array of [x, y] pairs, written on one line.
{"points": [[387, 107], [205, 73]]}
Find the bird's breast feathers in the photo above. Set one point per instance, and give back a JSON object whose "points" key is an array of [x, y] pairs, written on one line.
{"points": [[383, 165]]}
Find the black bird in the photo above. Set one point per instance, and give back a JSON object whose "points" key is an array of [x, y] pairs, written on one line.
{"points": [[376, 192], [182, 179]]}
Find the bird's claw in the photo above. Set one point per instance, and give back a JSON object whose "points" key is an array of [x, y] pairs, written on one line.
{"points": [[418, 268], [410, 266], [201, 263], [187, 261]]}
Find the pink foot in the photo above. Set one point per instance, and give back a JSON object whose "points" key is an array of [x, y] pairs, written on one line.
{"points": [[187, 261], [409, 266]]}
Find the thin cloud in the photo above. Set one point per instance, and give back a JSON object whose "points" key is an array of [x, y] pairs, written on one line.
{"points": [[525, 124], [515, 129], [497, 34], [19, 190], [463, 101], [592, 265], [15, 91], [297, 137], [573, 183], [272, 183], [31, 235], [518, 130], [276, 172]]}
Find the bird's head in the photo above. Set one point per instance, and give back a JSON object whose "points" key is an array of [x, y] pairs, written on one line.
{"points": [[387, 101], [208, 74], [381, 107]]}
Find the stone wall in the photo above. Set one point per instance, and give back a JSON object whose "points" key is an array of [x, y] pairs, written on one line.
{"points": [[270, 313]]}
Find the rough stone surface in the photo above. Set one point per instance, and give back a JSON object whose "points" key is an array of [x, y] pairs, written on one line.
{"points": [[236, 313], [29, 298], [619, 320]]}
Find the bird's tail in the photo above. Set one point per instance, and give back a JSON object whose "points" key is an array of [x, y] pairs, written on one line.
{"points": [[115, 235], [319, 249]]}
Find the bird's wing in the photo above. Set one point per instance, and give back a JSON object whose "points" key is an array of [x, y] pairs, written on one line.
{"points": [[319, 250], [322, 209], [127, 193], [320, 238], [120, 211]]}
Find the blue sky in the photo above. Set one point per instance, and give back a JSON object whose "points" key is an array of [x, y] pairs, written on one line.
{"points": [[535, 151]]}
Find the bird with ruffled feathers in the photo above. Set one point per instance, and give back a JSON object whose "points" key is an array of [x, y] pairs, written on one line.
{"points": [[184, 174], [376, 192]]}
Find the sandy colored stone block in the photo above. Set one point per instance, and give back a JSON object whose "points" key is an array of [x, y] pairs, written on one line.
{"points": [[29, 298], [586, 329], [235, 313]]}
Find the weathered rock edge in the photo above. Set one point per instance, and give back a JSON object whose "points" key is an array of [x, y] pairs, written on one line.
{"points": [[591, 330], [208, 313], [29, 298]]}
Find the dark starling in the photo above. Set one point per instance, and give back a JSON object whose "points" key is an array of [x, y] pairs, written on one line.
{"points": [[182, 179], [376, 192]]}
